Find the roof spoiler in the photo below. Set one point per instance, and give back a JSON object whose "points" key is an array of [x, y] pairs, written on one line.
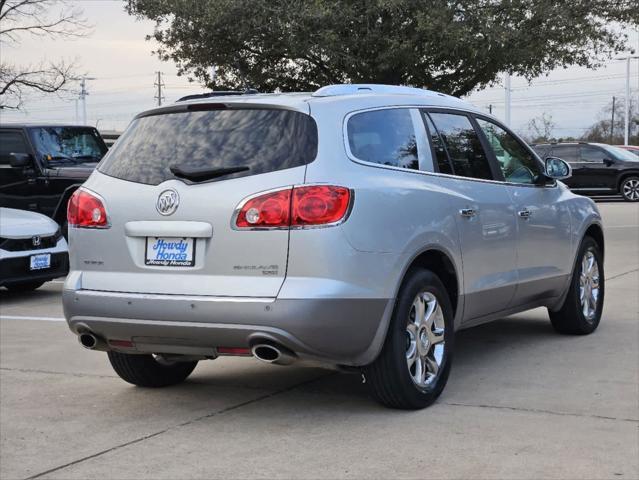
{"points": [[219, 93]]}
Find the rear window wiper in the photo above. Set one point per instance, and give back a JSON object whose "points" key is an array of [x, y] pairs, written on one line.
{"points": [[201, 174]]}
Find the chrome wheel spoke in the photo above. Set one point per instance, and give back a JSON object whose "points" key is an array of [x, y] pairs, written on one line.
{"points": [[425, 342], [589, 285]]}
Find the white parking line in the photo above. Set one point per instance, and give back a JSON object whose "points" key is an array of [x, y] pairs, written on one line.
{"points": [[43, 319]]}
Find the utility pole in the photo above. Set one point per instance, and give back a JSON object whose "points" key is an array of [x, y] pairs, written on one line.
{"points": [[159, 83], [507, 87], [77, 120], [612, 122], [626, 130], [83, 97], [490, 108]]}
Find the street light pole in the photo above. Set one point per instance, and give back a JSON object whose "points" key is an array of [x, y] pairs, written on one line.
{"points": [[626, 131]]}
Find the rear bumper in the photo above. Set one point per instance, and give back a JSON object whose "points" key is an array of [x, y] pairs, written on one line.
{"points": [[337, 331]]}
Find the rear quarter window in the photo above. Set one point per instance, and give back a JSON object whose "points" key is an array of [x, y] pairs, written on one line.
{"points": [[265, 140], [385, 137]]}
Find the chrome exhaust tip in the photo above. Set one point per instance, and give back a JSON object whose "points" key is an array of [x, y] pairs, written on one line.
{"points": [[273, 354], [91, 342]]}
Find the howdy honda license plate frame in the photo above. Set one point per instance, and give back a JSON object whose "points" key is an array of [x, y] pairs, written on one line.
{"points": [[169, 252]]}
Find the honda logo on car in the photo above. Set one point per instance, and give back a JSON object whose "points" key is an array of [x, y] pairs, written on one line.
{"points": [[168, 202]]}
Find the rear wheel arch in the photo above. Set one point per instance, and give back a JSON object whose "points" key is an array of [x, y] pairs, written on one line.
{"points": [[440, 264], [625, 175]]}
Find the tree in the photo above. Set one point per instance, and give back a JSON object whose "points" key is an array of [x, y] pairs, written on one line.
{"points": [[444, 45], [600, 130], [35, 17], [541, 128]]}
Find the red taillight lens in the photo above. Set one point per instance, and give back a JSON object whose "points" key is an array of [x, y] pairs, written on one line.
{"points": [[271, 210], [319, 205], [297, 207], [86, 211]]}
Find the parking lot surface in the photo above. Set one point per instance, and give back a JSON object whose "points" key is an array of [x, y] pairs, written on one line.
{"points": [[522, 402]]}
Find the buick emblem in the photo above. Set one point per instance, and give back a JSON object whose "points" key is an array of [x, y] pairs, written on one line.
{"points": [[168, 202], [36, 241]]}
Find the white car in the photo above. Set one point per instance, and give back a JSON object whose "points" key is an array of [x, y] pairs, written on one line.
{"points": [[32, 250]]}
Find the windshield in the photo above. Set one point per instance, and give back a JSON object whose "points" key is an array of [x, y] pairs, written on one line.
{"points": [[621, 154], [258, 140], [68, 144]]}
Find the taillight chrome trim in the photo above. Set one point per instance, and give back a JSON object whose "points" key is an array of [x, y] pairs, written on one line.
{"points": [[106, 211], [245, 200]]}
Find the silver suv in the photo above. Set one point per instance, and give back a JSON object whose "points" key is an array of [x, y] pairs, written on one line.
{"points": [[358, 226]]}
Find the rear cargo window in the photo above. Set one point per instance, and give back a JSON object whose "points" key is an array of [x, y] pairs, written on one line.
{"points": [[264, 140]]}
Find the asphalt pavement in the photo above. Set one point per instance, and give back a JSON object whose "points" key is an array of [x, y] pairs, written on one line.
{"points": [[521, 402]]}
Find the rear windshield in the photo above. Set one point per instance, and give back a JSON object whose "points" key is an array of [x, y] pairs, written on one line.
{"points": [[260, 139]]}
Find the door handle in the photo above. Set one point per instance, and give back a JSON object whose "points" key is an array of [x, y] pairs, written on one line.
{"points": [[525, 213], [468, 212]]}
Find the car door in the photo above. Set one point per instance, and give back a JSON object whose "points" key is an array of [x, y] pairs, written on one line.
{"points": [[543, 216], [597, 167], [16, 183], [485, 215]]}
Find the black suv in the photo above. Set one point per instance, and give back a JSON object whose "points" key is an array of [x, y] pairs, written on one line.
{"points": [[42, 165], [597, 168]]}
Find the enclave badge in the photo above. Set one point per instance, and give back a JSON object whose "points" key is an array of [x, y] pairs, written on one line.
{"points": [[168, 202]]}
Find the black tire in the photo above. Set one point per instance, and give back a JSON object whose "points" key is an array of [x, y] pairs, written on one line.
{"points": [[570, 319], [25, 286], [146, 371], [629, 189], [389, 377]]}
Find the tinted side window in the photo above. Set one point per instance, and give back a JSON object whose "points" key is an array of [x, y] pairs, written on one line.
{"points": [[592, 154], [11, 142], [443, 163], [463, 145], [565, 152], [517, 164], [386, 137]]}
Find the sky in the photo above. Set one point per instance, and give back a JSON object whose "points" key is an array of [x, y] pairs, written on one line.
{"points": [[117, 55]]}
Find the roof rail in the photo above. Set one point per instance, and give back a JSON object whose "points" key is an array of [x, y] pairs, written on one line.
{"points": [[219, 93], [354, 88]]}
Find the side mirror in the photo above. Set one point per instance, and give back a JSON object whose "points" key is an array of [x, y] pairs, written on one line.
{"points": [[20, 159], [608, 162], [557, 169]]}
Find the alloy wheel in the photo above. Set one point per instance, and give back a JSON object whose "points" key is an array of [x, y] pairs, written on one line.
{"points": [[630, 189], [425, 339], [589, 285]]}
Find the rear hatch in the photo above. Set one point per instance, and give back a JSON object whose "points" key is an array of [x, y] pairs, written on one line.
{"points": [[171, 186]]}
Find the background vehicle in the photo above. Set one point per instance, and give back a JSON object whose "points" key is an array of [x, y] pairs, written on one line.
{"points": [[597, 168], [631, 148], [32, 250], [42, 165], [360, 226]]}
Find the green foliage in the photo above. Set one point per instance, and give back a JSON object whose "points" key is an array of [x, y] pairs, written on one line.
{"points": [[448, 46]]}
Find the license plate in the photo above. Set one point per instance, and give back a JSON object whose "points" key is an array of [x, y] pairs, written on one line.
{"points": [[40, 261], [170, 252]]}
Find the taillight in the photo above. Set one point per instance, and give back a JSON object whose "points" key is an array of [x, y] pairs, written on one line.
{"points": [[86, 210], [319, 205], [270, 210], [312, 205]]}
